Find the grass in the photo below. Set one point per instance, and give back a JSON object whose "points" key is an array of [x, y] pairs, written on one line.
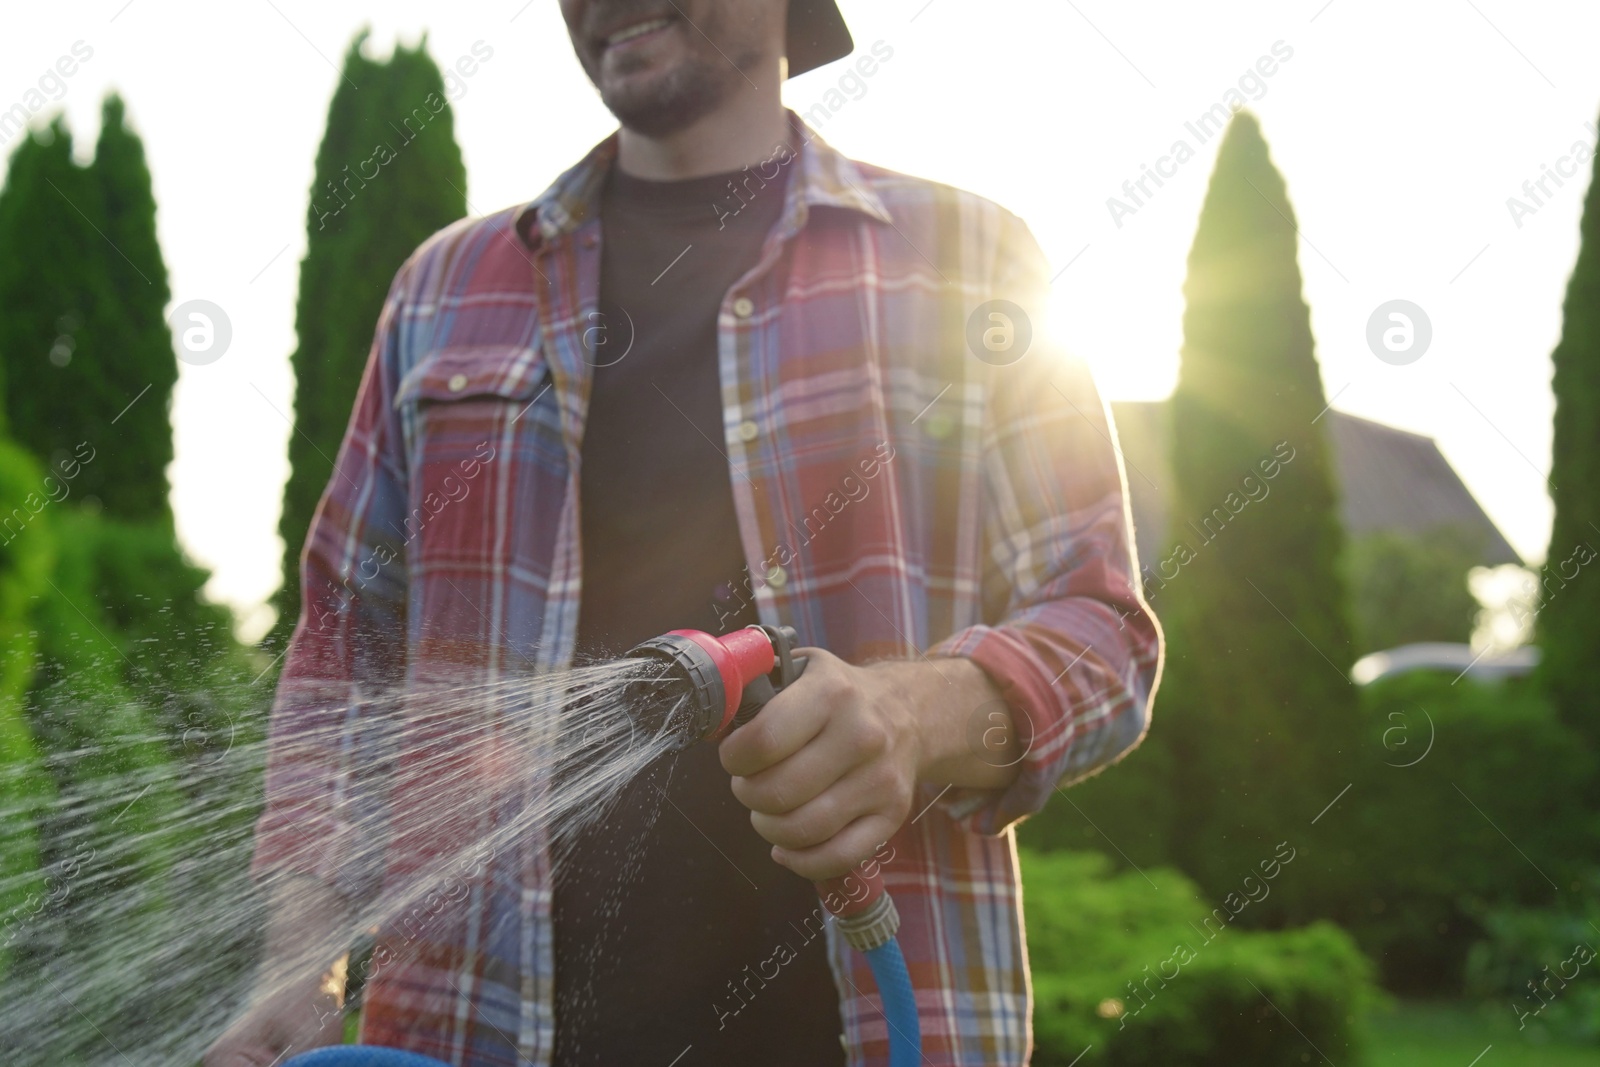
{"points": [[1455, 1035]]}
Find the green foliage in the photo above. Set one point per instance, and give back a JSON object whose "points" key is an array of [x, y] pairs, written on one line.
{"points": [[1444, 822], [1569, 624], [139, 446], [83, 292], [51, 356], [1540, 966], [154, 601], [25, 792], [1406, 587], [1126, 812], [104, 745], [1420, 848], [140, 697], [26, 557], [1256, 706], [1442, 827], [122, 692], [388, 175], [1129, 971], [125, 634]]}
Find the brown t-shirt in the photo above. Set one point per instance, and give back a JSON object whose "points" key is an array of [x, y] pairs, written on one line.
{"points": [[674, 930]]}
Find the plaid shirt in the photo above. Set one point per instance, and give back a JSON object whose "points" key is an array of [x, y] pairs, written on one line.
{"points": [[896, 497]]}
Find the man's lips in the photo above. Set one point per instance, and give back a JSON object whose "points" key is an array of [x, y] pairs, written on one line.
{"points": [[635, 31]]}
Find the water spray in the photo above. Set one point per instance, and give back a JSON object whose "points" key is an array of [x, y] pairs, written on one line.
{"points": [[691, 687]]}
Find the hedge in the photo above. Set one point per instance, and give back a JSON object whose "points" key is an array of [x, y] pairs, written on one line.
{"points": [[1127, 970]]}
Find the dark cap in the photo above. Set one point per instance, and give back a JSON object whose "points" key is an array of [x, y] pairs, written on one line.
{"points": [[816, 34]]}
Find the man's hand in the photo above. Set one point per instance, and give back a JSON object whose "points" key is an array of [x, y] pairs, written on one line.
{"points": [[297, 1004], [299, 1016], [829, 768]]}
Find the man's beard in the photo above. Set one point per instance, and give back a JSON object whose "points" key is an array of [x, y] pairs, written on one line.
{"points": [[690, 91], [684, 96]]}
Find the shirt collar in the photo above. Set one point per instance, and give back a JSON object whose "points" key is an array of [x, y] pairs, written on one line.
{"points": [[827, 178]]}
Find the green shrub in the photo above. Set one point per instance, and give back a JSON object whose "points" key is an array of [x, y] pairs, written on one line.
{"points": [[1128, 969], [143, 709], [138, 676], [25, 793], [103, 746], [1484, 820], [1126, 811], [1460, 802], [1540, 967]]}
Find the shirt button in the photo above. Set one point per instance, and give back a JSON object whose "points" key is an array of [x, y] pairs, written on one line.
{"points": [[748, 430], [777, 577], [743, 307], [457, 382]]}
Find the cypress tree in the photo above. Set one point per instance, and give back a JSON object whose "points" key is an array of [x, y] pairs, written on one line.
{"points": [[1569, 617], [54, 290], [388, 175], [138, 341], [83, 290], [1256, 708]]}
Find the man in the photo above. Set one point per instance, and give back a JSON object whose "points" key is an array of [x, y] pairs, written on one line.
{"points": [[717, 374]]}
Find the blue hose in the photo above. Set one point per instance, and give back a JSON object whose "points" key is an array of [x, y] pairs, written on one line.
{"points": [[899, 1003], [362, 1056]]}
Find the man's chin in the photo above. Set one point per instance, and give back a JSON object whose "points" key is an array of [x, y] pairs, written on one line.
{"points": [[661, 104]]}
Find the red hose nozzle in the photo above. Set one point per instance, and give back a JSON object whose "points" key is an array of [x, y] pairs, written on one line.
{"points": [[739, 659], [720, 681], [701, 687]]}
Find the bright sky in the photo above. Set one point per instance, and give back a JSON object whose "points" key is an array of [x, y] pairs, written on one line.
{"points": [[1402, 131]]}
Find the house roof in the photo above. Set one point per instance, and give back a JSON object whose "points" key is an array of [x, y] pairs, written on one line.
{"points": [[1389, 479]]}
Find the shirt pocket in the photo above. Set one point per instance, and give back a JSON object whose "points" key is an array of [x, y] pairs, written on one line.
{"points": [[468, 412], [459, 400], [467, 373]]}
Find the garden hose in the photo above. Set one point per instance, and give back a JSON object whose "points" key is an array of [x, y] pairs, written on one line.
{"points": [[362, 1056], [703, 689]]}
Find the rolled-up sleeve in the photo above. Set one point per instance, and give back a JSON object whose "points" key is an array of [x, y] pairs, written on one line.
{"points": [[1067, 638], [332, 723]]}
